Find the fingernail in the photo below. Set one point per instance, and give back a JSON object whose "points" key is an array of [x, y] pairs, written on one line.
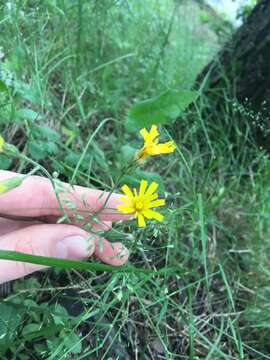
{"points": [[121, 254], [74, 247], [121, 251]]}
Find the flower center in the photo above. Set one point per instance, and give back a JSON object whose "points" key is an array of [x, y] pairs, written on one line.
{"points": [[139, 205]]}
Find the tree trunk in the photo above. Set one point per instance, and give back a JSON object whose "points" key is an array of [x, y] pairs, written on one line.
{"points": [[243, 66]]}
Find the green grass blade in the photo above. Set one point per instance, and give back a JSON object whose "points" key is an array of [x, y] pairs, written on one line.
{"points": [[79, 265]]}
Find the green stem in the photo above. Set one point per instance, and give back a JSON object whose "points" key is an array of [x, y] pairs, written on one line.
{"points": [[51, 179]]}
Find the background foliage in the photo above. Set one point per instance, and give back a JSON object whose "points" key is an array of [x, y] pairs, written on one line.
{"points": [[73, 68]]}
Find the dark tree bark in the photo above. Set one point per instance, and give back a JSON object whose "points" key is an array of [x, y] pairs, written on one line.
{"points": [[243, 65]]}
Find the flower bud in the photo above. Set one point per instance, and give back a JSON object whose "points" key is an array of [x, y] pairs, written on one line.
{"points": [[6, 148], [9, 184], [10, 149]]}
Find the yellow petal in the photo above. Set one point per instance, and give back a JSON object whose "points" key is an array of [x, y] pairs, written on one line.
{"points": [[152, 188], [141, 221], [150, 198], [167, 147], [125, 209], [126, 190], [153, 132], [159, 202], [143, 187], [150, 214], [144, 134], [125, 199]]}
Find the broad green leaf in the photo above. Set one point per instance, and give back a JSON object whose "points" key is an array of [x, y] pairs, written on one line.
{"points": [[27, 114], [10, 319], [30, 328], [161, 109], [60, 315]]}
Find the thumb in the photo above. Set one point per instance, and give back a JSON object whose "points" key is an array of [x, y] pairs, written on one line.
{"points": [[62, 241]]}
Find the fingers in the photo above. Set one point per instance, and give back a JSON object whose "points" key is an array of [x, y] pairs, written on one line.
{"points": [[115, 254], [7, 226], [111, 253], [36, 197], [62, 241]]}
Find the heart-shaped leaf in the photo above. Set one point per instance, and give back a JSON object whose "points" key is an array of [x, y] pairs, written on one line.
{"points": [[161, 109]]}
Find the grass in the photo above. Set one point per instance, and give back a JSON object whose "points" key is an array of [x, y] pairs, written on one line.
{"points": [[75, 68]]}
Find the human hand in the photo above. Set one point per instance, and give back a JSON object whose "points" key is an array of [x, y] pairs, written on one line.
{"points": [[35, 198]]}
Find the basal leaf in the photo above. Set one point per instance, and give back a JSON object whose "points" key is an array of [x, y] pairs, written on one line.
{"points": [[161, 109], [27, 114]]}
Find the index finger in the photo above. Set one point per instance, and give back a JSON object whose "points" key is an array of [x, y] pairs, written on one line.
{"points": [[36, 197]]}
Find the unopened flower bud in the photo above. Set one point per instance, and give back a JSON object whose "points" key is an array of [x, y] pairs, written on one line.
{"points": [[11, 183]]}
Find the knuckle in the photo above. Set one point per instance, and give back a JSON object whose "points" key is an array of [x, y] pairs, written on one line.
{"points": [[26, 247]]}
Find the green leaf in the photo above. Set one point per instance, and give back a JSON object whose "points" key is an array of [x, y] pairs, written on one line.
{"points": [[5, 162], [73, 343], [28, 92], [51, 148], [3, 86], [161, 109], [60, 315], [9, 321], [30, 328], [37, 149], [47, 132], [128, 152], [27, 114]]}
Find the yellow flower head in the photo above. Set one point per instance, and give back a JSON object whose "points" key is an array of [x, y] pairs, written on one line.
{"points": [[151, 145], [141, 204], [2, 143]]}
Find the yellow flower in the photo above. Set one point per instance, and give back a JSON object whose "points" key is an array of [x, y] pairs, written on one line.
{"points": [[151, 145], [141, 204], [2, 143]]}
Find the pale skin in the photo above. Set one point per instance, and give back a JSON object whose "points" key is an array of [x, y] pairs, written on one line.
{"points": [[36, 198]]}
